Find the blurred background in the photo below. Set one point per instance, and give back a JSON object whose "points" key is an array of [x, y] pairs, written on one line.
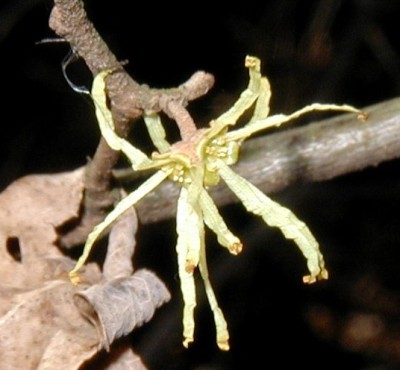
{"points": [[327, 51]]}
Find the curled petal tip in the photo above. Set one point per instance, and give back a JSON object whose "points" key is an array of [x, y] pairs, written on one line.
{"points": [[236, 248], [187, 341], [191, 262], [362, 116], [252, 62], [310, 279], [223, 345], [74, 277], [324, 275], [190, 266]]}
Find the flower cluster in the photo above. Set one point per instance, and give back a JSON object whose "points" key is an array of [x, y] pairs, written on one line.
{"points": [[198, 161]]}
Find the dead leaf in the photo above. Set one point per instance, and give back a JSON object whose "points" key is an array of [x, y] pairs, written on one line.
{"points": [[121, 358], [118, 306], [41, 327], [30, 210], [43, 330]]}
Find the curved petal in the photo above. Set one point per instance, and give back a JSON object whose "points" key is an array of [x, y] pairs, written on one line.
{"points": [[275, 215], [121, 207], [258, 88], [279, 119], [191, 252], [216, 223], [156, 131], [137, 158], [188, 239], [221, 326]]}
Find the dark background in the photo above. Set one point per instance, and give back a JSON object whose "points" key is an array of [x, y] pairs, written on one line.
{"points": [[327, 51]]}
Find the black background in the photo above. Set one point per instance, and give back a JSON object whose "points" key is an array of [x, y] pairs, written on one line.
{"points": [[47, 127]]}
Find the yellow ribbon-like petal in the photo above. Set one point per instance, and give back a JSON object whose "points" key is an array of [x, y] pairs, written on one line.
{"points": [[156, 131], [138, 159], [276, 215], [279, 119], [188, 243], [120, 208], [216, 223]]}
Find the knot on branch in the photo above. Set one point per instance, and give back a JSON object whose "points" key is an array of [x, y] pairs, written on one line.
{"points": [[197, 85]]}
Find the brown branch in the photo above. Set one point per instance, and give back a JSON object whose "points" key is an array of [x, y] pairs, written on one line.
{"points": [[128, 101], [315, 152]]}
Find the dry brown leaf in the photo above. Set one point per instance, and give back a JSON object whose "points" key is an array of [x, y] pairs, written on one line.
{"points": [[41, 327], [30, 210], [43, 330], [117, 307], [127, 359], [121, 358]]}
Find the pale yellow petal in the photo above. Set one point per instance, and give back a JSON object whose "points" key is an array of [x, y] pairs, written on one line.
{"points": [[121, 207], [196, 186], [279, 119], [156, 131], [247, 97], [188, 250], [191, 252], [261, 110], [275, 215], [221, 326], [192, 229], [216, 223], [137, 158]]}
